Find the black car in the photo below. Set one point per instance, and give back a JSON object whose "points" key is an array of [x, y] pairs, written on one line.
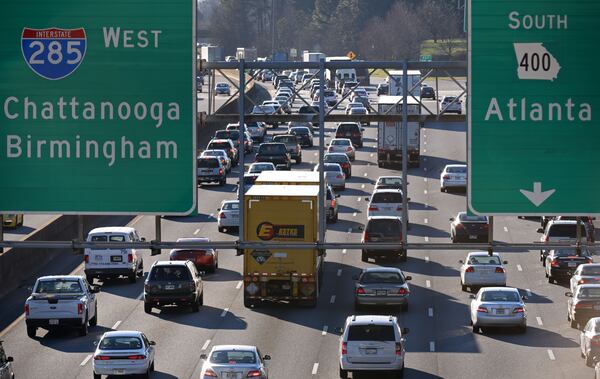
{"points": [[341, 159], [382, 89], [561, 263], [303, 134], [427, 93], [350, 130], [173, 283], [469, 228], [275, 153], [383, 229]]}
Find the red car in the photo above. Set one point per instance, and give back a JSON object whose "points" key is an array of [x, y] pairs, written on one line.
{"points": [[204, 259]]}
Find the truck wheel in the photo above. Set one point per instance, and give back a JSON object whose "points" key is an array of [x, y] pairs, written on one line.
{"points": [[97, 376], [132, 277], [343, 373], [221, 229], [94, 320], [298, 160], [31, 331], [250, 303], [83, 330], [201, 300], [364, 257], [90, 279]]}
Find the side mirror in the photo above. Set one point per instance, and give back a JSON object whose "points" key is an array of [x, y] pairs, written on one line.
{"points": [[337, 195], [405, 331], [10, 359], [95, 289], [569, 294], [354, 277], [540, 230], [407, 278], [361, 228], [339, 330], [152, 343], [366, 198], [505, 262], [408, 199], [95, 343], [461, 261], [218, 209], [451, 219], [201, 273], [523, 298], [267, 357], [143, 239], [203, 356], [472, 296]]}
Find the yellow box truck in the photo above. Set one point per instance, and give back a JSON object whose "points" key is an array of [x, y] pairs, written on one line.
{"points": [[282, 213], [288, 177]]}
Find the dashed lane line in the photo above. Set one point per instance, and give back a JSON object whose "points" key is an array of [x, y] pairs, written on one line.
{"points": [[344, 251], [425, 179], [116, 325], [239, 285], [426, 221], [86, 360], [365, 174], [354, 214], [538, 319], [339, 272], [426, 259], [315, 368], [332, 300], [196, 231], [431, 346], [430, 312], [324, 332], [426, 239], [428, 283], [358, 198], [425, 192], [519, 268], [362, 186], [224, 313], [551, 355], [205, 346], [505, 229]]}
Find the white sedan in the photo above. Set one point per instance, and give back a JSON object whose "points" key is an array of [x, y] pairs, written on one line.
{"points": [[342, 145], [498, 307], [229, 215], [453, 176], [123, 353], [481, 269], [588, 273], [221, 154]]}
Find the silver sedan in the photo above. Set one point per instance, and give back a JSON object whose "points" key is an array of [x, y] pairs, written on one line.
{"points": [[382, 286], [334, 175], [481, 269], [123, 353], [498, 307], [234, 361], [342, 145]]}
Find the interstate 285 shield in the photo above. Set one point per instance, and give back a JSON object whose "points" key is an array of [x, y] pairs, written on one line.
{"points": [[53, 53]]}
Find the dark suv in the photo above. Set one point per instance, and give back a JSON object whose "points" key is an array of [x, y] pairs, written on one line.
{"points": [[275, 153], [292, 145], [173, 283], [383, 229], [350, 130]]}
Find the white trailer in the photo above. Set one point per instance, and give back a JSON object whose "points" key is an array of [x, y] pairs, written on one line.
{"points": [[395, 82], [389, 133], [308, 56]]}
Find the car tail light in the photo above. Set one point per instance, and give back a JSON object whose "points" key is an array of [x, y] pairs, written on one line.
{"points": [[398, 348], [459, 226], [79, 308], [446, 177], [253, 374], [26, 309], [373, 208], [582, 281], [222, 215], [470, 269], [220, 171], [595, 341], [86, 258], [519, 310], [332, 203], [545, 238], [348, 148], [402, 291], [482, 309], [101, 358], [136, 357], [554, 263], [209, 373], [344, 348], [339, 176], [499, 270], [366, 237], [130, 258], [360, 291]]}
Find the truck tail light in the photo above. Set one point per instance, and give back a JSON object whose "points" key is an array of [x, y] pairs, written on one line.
{"points": [[79, 308], [130, 258], [554, 263], [344, 348], [499, 270], [86, 258], [221, 215], [253, 374], [470, 269], [26, 309], [482, 309], [398, 348], [519, 310]]}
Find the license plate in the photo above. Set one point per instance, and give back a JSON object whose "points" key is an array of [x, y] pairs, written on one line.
{"points": [[53, 322], [116, 258], [371, 351], [472, 236], [285, 286], [499, 311], [381, 292], [572, 264], [119, 371], [170, 287], [232, 375]]}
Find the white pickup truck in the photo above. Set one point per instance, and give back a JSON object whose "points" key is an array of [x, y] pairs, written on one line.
{"points": [[61, 301]]}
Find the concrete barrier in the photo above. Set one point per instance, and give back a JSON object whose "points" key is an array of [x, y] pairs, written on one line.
{"points": [[16, 265]]}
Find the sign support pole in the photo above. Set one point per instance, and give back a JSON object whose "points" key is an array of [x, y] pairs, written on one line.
{"points": [[241, 110], [322, 216], [404, 155], [491, 235]]}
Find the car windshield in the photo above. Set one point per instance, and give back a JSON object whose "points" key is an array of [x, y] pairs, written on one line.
{"points": [[456, 169], [299, 131], [384, 227], [569, 252], [463, 217], [392, 182], [208, 163], [169, 273], [500, 296], [120, 343], [330, 167], [219, 145], [387, 197], [344, 128], [59, 286], [449, 98], [381, 277], [589, 293], [231, 206], [357, 110], [110, 238], [590, 270], [285, 139], [261, 167], [340, 142], [566, 230], [272, 149], [371, 333], [224, 85], [336, 158], [232, 357], [484, 260]]}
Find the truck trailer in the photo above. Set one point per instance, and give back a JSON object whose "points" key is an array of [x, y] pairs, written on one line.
{"points": [[282, 213], [389, 133]]}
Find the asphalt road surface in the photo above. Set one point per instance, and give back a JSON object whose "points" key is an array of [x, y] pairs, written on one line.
{"points": [[301, 341]]}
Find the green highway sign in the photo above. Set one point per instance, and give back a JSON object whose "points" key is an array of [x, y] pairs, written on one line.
{"points": [[533, 85], [98, 107], [425, 58]]}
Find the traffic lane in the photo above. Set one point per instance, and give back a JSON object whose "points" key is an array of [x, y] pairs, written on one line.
{"points": [[31, 223]]}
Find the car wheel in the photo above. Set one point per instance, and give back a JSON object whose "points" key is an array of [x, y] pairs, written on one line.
{"points": [[147, 307], [463, 287], [298, 160], [250, 303], [152, 366], [83, 330], [573, 323], [364, 256], [335, 218], [196, 306], [476, 328], [90, 279], [97, 376], [221, 229], [201, 300], [132, 277], [146, 375], [31, 331], [400, 373], [222, 182], [94, 320], [343, 373], [550, 279], [523, 329]]}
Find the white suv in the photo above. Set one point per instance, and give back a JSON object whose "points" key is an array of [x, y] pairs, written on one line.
{"points": [[104, 263], [561, 231], [372, 343]]}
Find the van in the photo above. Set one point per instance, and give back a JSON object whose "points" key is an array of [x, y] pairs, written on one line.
{"points": [[111, 263]]}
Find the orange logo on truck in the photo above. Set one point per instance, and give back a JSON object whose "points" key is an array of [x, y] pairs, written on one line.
{"points": [[265, 231]]}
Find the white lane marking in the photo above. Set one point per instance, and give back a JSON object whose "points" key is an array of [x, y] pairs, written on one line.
{"points": [[196, 231], [212, 215], [528, 291], [426, 259], [358, 198], [362, 186], [86, 360], [365, 174], [426, 239], [316, 154], [140, 296], [426, 221], [424, 179], [349, 230], [519, 268], [431, 346], [116, 325], [428, 284], [551, 355], [424, 150], [339, 272], [424, 142], [324, 332], [430, 312], [315, 368], [205, 346], [424, 168], [354, 214], [539, 321], [425, 192], [224, 313], [239, 285], [371, 155], [344, 251], [332, 300], [505, 229]]}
